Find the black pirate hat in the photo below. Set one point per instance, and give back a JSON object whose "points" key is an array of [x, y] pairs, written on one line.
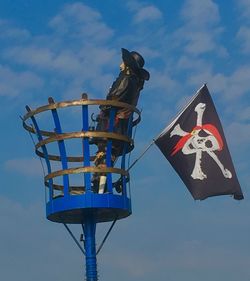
{"points": [[136, 62]]}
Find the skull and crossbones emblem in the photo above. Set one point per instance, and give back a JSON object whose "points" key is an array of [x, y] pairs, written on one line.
{"points": [[202, 139]]}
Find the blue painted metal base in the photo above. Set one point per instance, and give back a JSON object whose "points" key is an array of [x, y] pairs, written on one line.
{"points": [[90, 248], [75, 209]]}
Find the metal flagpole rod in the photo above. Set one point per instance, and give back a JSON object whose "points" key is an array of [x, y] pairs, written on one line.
{"points": [[73, 237], [106, 236], [142, 154]]}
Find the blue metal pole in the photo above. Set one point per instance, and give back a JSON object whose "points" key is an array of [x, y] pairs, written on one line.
{"points": [[90, 249]]}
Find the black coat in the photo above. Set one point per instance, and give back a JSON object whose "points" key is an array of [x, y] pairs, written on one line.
{"points": [[125, 88]]}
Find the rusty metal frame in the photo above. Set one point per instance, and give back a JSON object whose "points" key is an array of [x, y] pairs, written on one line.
{"points": [[57, 105], [54, 137]]}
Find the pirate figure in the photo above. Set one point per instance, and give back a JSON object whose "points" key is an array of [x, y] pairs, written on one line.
{"points": [[126, 88]]}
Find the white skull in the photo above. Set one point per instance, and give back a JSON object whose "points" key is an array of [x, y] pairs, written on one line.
{"points": [[204, 143]]}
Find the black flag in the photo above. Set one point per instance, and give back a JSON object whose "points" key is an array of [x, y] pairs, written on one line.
{"points": [[195, 145]]}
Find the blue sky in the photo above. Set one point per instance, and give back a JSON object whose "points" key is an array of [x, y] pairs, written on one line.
{"points": [[63, 48]]}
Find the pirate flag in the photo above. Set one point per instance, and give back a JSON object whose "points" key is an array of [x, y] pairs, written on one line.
{"points": [[195, 145]]}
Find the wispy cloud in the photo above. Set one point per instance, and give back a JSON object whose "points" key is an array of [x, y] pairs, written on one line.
{"points": [[76, 49], [8, 31], [244, 6], [200, 14], [31, 55], [238, 83], [242, 131], [143, 12], [148, 28], [24, 166], [244, 114], [243, 36], [148, 14], [201, 29], [232, 86], [16, 83], [37, 236], [81, 22]]}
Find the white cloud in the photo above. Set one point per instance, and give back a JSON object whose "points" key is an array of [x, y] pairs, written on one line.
{"points": [[217, 82], [134, 5], [25, 166], [200, 42], [239, 133], [77, 11], [244, 114], [75, 50], [14, 83], [149, 53], [31, 55], [230, 87], [201, 29], [188, 63], [143, 13], [238, 83], [9, 32], [65, 62], [162, 81], [80, 21], [200, 14], [28, 239], [148, 14], [243, 36], [245, 8]]}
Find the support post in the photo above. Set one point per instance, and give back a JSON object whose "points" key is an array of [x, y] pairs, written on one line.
{"points": [[90, 249]]}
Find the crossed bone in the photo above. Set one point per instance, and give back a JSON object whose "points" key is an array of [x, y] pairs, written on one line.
{"points": [[198, 145]]}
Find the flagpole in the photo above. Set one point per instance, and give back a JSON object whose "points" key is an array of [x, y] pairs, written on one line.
{"points": [[142, 154]]}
